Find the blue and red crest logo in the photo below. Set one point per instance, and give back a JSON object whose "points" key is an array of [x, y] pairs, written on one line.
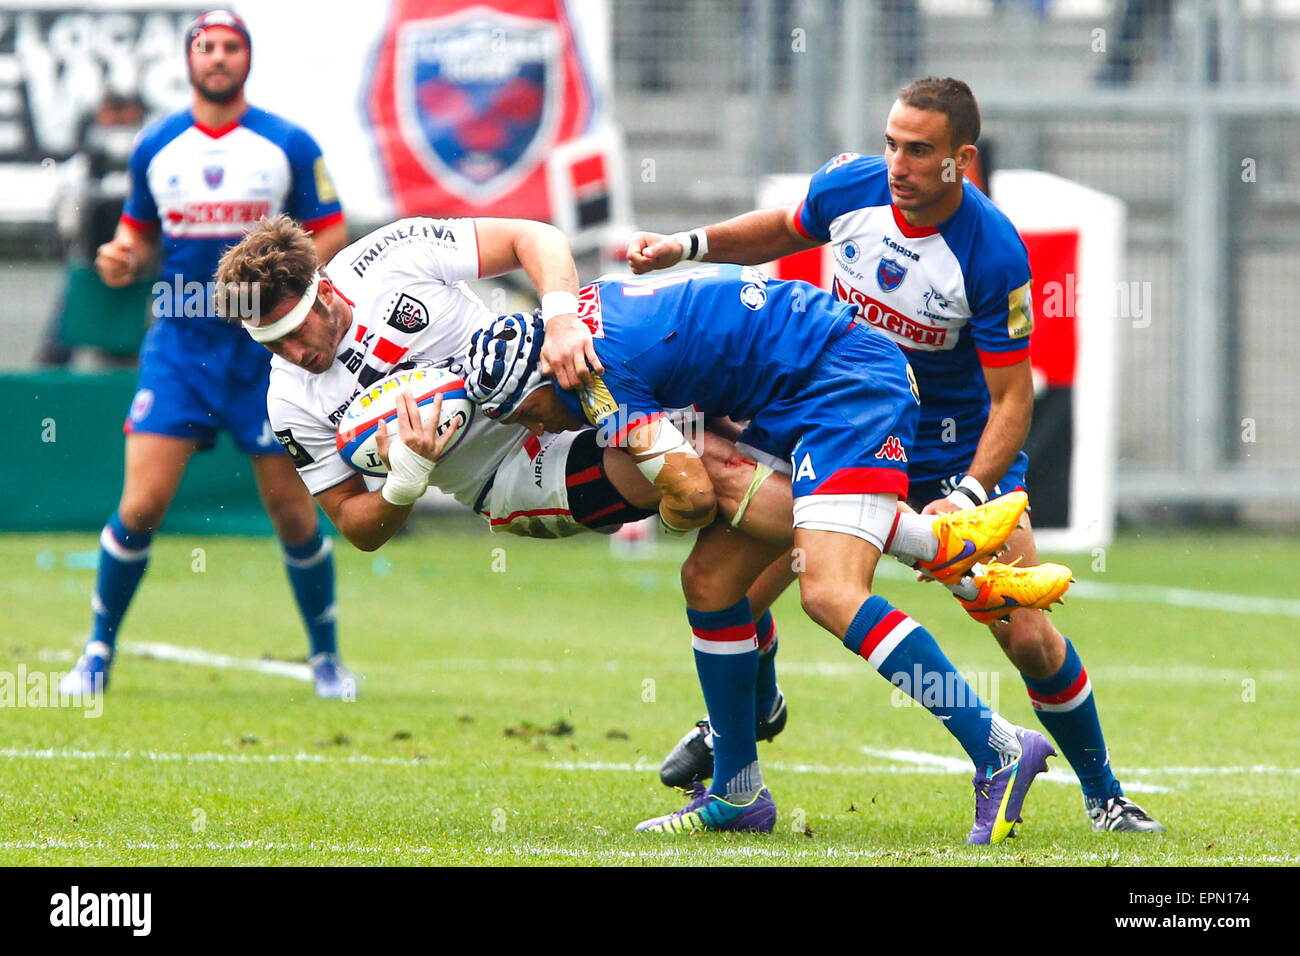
{"points": [[212, 175], [477, 97], [889, 275]]}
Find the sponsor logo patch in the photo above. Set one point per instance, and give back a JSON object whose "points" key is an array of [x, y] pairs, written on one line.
{"points": [[295, 451]]}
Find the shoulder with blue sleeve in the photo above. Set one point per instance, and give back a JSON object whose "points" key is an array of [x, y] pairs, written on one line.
{"points": [[313, 199], [847, 182], [995, 269], [140, 209]]}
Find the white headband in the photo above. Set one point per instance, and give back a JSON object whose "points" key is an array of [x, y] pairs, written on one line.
{"points": [[287, 322]]}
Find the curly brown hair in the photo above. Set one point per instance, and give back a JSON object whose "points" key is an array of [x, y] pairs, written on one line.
{"points": [[275, 261]]}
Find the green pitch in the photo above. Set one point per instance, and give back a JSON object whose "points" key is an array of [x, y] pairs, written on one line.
{"points": [[515, 704]]}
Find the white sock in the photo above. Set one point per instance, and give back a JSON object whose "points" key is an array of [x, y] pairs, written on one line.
{"points": [[914, 538], [966, 588], [1002, 738]]}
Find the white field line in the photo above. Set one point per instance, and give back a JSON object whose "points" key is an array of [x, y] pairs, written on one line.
{"points": [[688, 854], [1150, 594], [154, 756], [848, 668], [194, 655]]}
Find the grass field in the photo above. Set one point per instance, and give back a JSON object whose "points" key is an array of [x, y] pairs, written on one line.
{"points": [[518, 716]]}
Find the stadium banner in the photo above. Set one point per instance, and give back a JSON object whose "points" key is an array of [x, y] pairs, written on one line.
{"points": [[1075, 238], [431, 107]]}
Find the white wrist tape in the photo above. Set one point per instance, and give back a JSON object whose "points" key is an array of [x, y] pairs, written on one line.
{"points": [[668, 441], [287, 322], [558, 303], [969, 493], [695, 245], [408, 474]]}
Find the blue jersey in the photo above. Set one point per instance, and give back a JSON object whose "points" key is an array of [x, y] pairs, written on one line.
{"points": [[828, 399], [955, 297], [204, 188], [726, 339]]}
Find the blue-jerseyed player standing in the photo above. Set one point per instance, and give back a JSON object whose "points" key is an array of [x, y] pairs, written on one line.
{"points": [[935, 266], [822, 391], [200, 179]]}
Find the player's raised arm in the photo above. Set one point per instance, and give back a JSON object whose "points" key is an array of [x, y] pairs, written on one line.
{"points": [[543, 252], [667, 459], [751, 239]]}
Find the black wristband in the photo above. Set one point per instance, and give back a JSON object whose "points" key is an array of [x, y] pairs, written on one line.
{"points": [[970, 495]]}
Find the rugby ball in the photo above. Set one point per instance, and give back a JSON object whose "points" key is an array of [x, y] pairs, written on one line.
{"points": [[377, 405]]}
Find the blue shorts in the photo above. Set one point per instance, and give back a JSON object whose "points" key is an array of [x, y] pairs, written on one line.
{"points": [[923, 492], [848, 430], [195, 381]]}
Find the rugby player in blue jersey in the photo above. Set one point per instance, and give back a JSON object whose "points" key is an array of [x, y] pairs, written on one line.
{"points": [[834, 399], [200, 179], [940, 270]]}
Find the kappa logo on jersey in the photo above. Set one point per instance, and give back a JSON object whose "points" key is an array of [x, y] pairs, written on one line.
{"points": [[890, 275], [474, 96], [141, 404], [589, 310], [212, 175], [892, 450], [409, 315], [840, 160], [295, 451]]}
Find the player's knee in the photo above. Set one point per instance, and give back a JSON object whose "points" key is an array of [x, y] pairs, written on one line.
{"points": [[702, 589], [829, 604], [293, 523], [143, 513]]}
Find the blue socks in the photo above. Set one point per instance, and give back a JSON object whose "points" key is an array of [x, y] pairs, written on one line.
{"points": [[311, 573], [1065, 706], [907, 656], [123, 557], [765, 688], [726, 660]]}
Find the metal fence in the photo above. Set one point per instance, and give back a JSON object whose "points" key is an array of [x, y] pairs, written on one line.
{"points": [[1186, 110]]}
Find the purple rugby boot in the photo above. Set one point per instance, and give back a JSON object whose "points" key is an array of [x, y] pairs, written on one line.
{"points": [[708, 812], [998, 798]]}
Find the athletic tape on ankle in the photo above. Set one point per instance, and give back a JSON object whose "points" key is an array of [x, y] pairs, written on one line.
{"points": [[761, 473]]}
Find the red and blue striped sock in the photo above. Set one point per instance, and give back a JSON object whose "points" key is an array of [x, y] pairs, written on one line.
{"points": [[765, 689], [123, 558], [1065, 706], [310, 566], [909, 657], [726, 660]]}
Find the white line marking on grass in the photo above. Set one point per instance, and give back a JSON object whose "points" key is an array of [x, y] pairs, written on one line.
{"points": [[694, 853], [1186, 597], [154, 756], [194, 655], [1151, 594]]}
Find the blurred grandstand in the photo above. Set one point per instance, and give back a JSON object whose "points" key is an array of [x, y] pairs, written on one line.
{"points": [[1187, 111]]}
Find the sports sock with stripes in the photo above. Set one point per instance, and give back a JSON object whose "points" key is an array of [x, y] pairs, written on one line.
{"points": [[1065, 706], [726, 660], [765, 689], [310, 566], [907, 656], [123, 558]]}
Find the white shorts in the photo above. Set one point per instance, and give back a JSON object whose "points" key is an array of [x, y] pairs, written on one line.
{"points": [[869, 517], [529, 495]]}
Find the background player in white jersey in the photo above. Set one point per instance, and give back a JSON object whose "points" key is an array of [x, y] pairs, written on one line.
{"points": [[199, 179], [930, 261]]}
